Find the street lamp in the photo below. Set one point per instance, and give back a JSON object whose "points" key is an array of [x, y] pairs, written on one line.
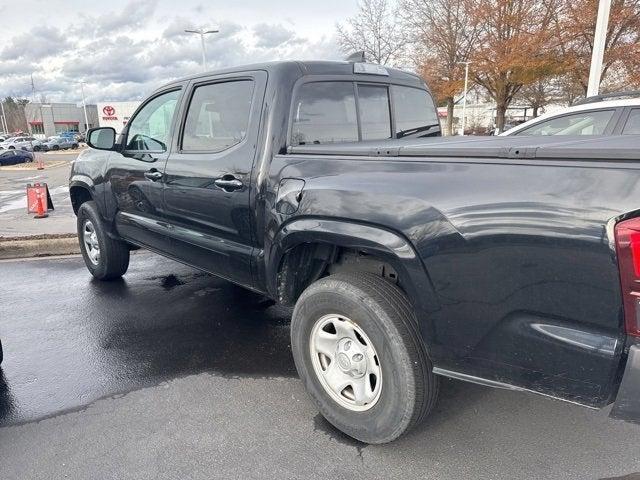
{"points": [[84, 107], [464, 101], [599, 42], [202, 32]]}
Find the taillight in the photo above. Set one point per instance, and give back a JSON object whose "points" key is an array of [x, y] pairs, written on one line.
{"points": [[628, 249]]}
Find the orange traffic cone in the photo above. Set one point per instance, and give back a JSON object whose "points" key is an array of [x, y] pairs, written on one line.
{"points": [[41, 211]]}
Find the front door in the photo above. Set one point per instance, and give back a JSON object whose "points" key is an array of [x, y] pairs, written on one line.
{"points": [[208, 176], [135, 173]]}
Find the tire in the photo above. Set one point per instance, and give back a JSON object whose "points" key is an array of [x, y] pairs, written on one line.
{"points": [[12, 148], [112, 259], [381, 315], [74, 146], [36, 148], [56, 147]]}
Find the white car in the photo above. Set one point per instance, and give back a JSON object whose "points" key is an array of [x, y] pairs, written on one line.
{"points": [[21, 143], [592, 116]]}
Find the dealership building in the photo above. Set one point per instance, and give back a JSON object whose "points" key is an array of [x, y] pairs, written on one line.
{"points": [[49, 119], [115, 114]]}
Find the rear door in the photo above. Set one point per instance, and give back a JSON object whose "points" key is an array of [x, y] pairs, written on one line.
{"points": [[207, 178], [135, 174]]}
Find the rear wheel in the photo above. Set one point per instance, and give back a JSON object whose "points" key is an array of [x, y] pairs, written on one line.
{"points": [[105, 257], [356, 347]]}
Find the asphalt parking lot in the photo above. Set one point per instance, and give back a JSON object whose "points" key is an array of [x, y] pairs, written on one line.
{"points": [[171, 373]]}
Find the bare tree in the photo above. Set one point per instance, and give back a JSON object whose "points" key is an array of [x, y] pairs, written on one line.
{"points": [[376, 30], [547, 90], [14, 110], [444, 35]]}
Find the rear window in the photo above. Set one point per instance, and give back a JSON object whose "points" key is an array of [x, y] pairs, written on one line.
{"points": [[632, 126], [325, 112], [414, 109], [374, 112]]}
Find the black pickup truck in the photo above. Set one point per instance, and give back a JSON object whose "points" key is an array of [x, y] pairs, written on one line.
{"points": [[512, 262]]}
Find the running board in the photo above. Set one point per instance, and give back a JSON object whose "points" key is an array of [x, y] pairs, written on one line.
{"points": [[495, 384], [480, 381]]}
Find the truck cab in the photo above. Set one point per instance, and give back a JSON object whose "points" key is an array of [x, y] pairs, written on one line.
{"points": [[201, 142]]}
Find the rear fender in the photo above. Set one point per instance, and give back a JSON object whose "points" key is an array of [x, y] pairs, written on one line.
{"points": [[387, 245]]}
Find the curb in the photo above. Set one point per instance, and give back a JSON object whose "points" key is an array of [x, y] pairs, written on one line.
{"points": [[32, 166], [41, 246]]}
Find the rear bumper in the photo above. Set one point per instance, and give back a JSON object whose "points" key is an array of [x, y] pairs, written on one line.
{"points": [[627, 404]]}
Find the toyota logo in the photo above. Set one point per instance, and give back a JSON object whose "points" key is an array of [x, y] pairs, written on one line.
{"points": [[109, 111]]}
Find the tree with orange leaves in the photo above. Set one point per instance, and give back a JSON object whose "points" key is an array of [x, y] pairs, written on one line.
{"points": [[444, 36], [574, 27], [516, 47]]}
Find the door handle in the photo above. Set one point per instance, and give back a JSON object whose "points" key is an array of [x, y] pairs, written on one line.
{"points": [[153, 175], [228, 184]]}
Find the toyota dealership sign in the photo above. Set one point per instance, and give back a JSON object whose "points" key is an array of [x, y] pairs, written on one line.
{"points": [[116, 114]]}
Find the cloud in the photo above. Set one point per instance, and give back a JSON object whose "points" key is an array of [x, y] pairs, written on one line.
{"points": [[126, 54], [135, 14], [40, 43], [271, 36]]}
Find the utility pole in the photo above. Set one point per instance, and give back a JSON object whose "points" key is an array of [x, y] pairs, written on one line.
{"points": [[599, 42], [84, 107], [464, 100], [202, 32]]}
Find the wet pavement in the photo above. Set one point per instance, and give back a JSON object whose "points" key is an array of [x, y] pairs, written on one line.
{"points": [[70, 340], [171, 373]]}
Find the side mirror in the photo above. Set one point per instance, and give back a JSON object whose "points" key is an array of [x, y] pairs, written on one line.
{"points": [[101, 138]]}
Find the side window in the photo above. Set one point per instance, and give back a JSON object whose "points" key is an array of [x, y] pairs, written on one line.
{"points": [[375, 116], [581, 123], [632, 127], [218, 116], [150, 129], [414, 110], [325, 112]]}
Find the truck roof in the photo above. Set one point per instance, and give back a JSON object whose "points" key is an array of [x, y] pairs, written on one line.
{"points": [[610, 147], [315, 67]]}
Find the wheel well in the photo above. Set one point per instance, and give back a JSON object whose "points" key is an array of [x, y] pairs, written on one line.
{"points": [[79, 195], [307, 262]]}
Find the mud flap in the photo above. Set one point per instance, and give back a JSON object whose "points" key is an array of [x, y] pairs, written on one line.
{"points": [[627, 404]]}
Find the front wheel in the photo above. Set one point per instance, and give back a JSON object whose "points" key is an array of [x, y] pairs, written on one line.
{"points": [[356, 347], [105, 257]]}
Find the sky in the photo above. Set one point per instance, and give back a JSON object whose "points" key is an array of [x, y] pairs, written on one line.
{"points": [[123, 50]]}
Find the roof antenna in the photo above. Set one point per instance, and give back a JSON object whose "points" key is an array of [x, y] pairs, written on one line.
{"points": [[356, 57]]}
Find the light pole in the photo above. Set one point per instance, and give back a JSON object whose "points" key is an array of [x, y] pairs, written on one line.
{"points": [[84, 107], [464, 100], [202, 32], [599, 42]]}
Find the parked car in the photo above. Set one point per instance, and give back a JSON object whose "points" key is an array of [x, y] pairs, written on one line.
{"points": [[59, 143], [13, 157], [24, 143], [511, 262], [610, 114], [30, 144]]}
